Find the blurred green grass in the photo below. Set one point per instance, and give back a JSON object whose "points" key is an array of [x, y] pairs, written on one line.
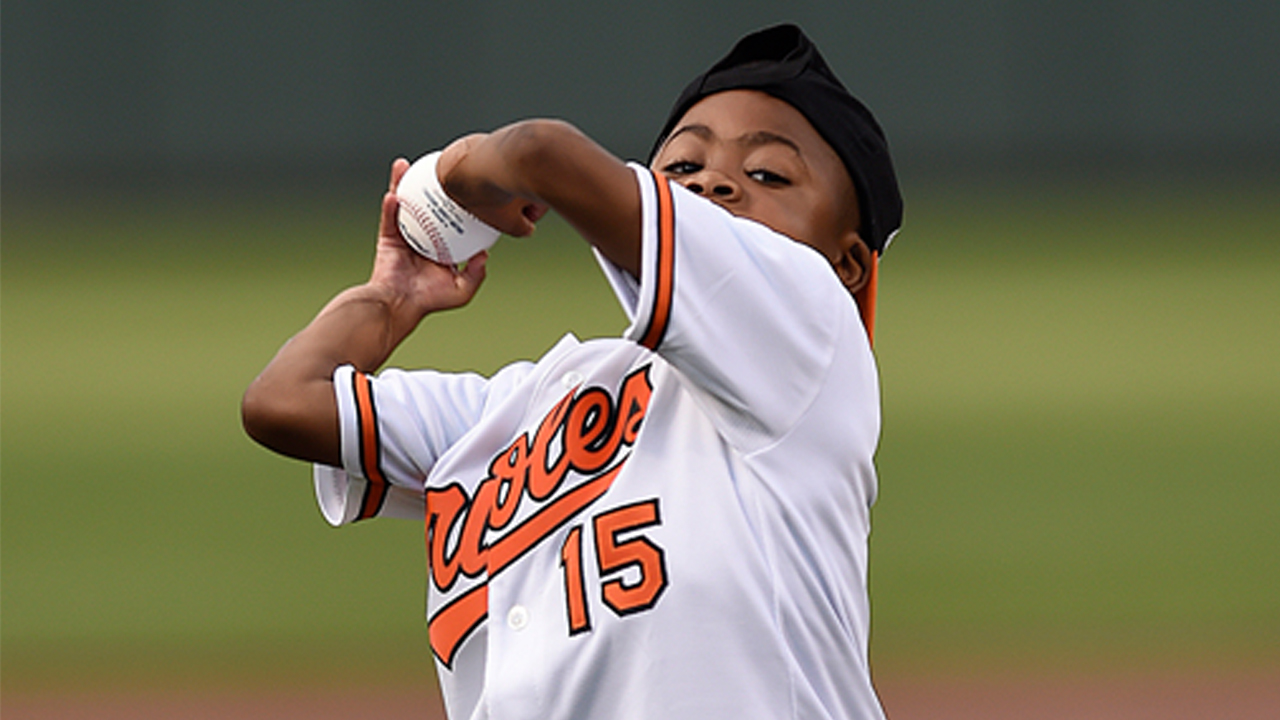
{"points": [[1081, 410], [1079, 462]]}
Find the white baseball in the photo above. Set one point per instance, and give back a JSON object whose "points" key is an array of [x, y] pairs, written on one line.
{"points": [[432, 223]]}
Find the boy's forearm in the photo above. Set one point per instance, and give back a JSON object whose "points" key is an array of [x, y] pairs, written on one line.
{"points": [[361, 326], [290, 407]]}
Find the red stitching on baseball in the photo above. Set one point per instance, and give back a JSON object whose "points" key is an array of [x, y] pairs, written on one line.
{"points": [[424, 219]]}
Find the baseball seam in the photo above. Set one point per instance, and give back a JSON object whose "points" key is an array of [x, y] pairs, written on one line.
{"points": [[425, 221]]}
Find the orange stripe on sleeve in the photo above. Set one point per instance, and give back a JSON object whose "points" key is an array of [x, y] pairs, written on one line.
{"points": [[664, 280], [367, 423]]}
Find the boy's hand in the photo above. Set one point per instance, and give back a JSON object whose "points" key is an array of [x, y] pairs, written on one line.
{"points": [[416, 285]]}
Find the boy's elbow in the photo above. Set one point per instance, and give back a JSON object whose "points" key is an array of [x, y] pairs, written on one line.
{"points": [[270, 418], [260, 415], [297, 422]]}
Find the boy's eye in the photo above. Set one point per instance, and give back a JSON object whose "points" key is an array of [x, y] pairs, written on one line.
{"points": [[681, 167], [767, 177]]}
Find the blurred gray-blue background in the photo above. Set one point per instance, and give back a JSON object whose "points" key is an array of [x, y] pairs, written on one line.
{"points": [[157, 88]]}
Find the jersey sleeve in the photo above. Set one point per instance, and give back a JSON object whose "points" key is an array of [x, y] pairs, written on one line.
{"points": [[394, 427], [749, 316]]}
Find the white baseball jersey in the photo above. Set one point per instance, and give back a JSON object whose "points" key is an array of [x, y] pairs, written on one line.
{"points": [[671, 524]]}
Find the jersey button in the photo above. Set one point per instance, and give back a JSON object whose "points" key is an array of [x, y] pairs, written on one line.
{"points": [[518, 617], [571, 379]]}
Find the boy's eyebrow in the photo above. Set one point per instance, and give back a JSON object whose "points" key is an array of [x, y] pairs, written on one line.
{"points": [[701, 131], [753, 139], [764, 137]]}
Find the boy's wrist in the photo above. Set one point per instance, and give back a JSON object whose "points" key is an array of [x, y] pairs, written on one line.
{"points": [[377, 319], [402, 310], [372, 294]]}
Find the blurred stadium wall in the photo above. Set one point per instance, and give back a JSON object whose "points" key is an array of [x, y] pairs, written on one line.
{"points": [[162, 89]]}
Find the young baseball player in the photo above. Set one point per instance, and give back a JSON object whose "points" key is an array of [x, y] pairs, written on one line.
{"points": [[668, 524]]}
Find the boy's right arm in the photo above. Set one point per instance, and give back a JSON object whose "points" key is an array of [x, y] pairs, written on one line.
{"points": [[291, 407], [507, 178]]}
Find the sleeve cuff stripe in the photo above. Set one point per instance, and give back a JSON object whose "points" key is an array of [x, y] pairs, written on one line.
{"points": [[375, 492], [664, 276]]}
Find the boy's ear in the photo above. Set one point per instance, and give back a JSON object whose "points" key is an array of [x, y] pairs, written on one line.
{"points": [[854, 264]]}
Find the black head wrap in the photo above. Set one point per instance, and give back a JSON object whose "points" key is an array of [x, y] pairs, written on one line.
{"points": [[781, 61]]}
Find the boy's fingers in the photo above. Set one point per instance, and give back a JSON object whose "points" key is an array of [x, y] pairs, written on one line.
{"points": [[517, 218], [473, 272], [517, 227], [535, 211], [399, 167], [388, 225]]}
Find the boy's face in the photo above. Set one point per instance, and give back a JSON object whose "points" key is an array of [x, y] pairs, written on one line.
{"points": [[759, 158]]}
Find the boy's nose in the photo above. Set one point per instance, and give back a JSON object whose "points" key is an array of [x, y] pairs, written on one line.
{"points": [[713, 185]]}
